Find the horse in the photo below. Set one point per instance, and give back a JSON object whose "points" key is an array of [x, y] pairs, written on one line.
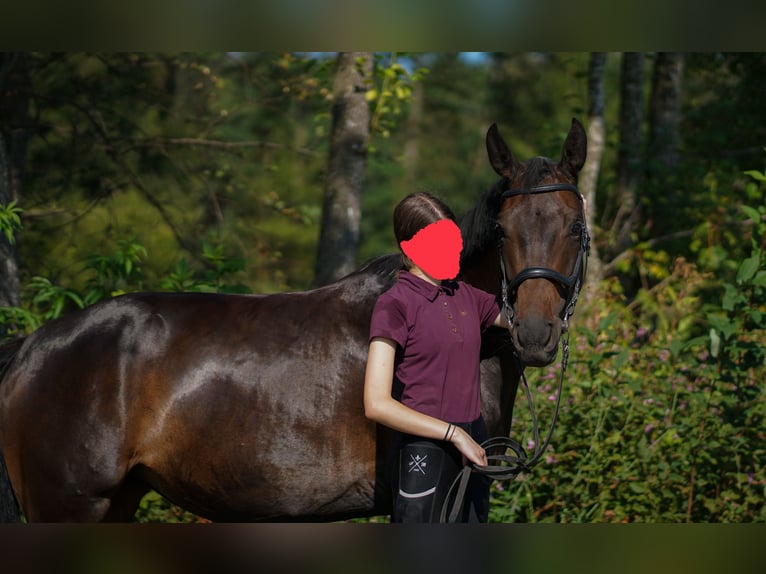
{"points": [[249, 407]]}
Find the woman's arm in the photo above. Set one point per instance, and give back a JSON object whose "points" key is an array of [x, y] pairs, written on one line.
{"points": [[381, 407]]}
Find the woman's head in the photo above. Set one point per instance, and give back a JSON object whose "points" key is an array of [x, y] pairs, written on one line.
{"points": [[425, 228]]}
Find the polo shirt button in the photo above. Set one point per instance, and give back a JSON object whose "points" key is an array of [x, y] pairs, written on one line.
{"points": [[454, 329]]}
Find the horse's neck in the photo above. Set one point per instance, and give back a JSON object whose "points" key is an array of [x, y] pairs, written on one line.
{"points": [[485, 274]]}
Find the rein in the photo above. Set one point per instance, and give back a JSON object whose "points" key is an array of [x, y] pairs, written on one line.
{"points": [[509, 466]]}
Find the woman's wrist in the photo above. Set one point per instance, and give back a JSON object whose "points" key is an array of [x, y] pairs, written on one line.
{"points": [[450, 432]]}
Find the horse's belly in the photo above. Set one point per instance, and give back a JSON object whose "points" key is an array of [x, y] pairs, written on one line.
{"points": [[306, 491], [264, 464]]}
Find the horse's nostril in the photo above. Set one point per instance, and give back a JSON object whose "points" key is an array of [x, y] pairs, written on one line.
{"points": [[537, 333]]}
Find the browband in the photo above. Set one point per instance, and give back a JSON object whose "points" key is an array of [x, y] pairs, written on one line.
{"points": [[544, 189]]}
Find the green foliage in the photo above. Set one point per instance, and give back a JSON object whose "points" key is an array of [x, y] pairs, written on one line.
{"points": [[156, 508], [42, 301], [213, 279], [658, 424], [10, 220], [390, 93], [176, 150], [114, 274]]}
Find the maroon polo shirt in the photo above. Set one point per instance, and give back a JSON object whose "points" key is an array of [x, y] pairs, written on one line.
{"points": [[438, 333]]}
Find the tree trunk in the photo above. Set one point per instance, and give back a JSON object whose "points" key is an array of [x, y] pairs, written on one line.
{"points": [[341, 213], [665, 113], [629, 154], [589, 174], [664, 146], [411, 154], [14, 125]]}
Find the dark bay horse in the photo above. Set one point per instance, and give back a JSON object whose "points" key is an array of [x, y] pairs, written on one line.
{"points": [[249, 408]]}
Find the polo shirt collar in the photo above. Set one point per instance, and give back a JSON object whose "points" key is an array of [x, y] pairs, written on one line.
{"points": [[425, 288]]}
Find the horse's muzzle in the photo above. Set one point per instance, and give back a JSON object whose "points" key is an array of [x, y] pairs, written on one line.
{"points": [[536, 340]]}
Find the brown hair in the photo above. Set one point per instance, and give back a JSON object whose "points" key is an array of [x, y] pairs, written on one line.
{"points": [[417, 211], [413, 213]]}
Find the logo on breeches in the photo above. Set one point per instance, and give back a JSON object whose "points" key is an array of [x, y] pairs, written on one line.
{"points": [[417, 463]]}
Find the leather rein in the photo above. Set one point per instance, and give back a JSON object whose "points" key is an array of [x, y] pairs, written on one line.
{"points": [[503, 465]]}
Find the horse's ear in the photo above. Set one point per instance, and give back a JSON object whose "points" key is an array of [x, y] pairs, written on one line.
{"points": [[500, 155], [575, 148]]}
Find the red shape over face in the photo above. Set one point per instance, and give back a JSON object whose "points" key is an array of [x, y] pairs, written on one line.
{"points": [[436, 249]]}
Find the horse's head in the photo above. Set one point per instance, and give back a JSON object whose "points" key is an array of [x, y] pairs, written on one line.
{"points": [[544, 242]]}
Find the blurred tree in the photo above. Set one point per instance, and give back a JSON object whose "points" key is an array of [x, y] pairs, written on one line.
{"points": [[535, 95], [413, 131], [230, 151], [589, 175], [14, 124], [665, 112], [629, 154], [175, 150], [664, 143], [349, 140], [452, 160]]}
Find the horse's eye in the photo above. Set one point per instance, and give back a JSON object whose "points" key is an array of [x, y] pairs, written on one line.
{"points": [[577, 228]]}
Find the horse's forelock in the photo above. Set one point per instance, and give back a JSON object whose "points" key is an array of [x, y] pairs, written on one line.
{"points": [[537, 169]]}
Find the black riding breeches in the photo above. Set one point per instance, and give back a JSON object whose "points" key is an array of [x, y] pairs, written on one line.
{"points": [[426, 469]]}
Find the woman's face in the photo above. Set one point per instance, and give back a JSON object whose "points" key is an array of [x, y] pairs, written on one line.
{"points": [[436, 249]]}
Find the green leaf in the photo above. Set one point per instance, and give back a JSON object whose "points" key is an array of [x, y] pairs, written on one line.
{"points": [[621, 358], [607, 321], [676, 346], [760, 279], [724, 326], [757, 175], [715, 343], [637, 487], [748, 268], [730, 297], [751, 212]]}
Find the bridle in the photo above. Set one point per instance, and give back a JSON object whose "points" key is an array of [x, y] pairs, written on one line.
{"points": [[509, 466], [569, 286]]}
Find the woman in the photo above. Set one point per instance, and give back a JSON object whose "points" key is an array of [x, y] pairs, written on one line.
{"points": [[422, 374]]}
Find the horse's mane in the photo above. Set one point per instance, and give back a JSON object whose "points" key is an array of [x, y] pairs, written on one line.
{"points": [[385, 267], [479, 224]]}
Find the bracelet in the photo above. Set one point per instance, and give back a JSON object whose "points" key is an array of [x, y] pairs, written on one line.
{"points": [[452, 433], [449, 428]]}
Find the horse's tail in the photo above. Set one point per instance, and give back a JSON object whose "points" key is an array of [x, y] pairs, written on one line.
{"points": [[9, 506]]}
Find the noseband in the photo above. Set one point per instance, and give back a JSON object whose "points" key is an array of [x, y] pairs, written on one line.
{"points": [[568, 286]]}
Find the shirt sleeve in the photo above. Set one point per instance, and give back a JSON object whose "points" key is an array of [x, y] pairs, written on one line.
{"points": [[389, 320], [487, 306]]}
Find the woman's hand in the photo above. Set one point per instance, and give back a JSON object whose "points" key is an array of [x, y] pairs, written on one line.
{"points": [[469, 448]]}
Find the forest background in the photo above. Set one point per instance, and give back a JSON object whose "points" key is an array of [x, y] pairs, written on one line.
{"points": [[217, 172]]}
